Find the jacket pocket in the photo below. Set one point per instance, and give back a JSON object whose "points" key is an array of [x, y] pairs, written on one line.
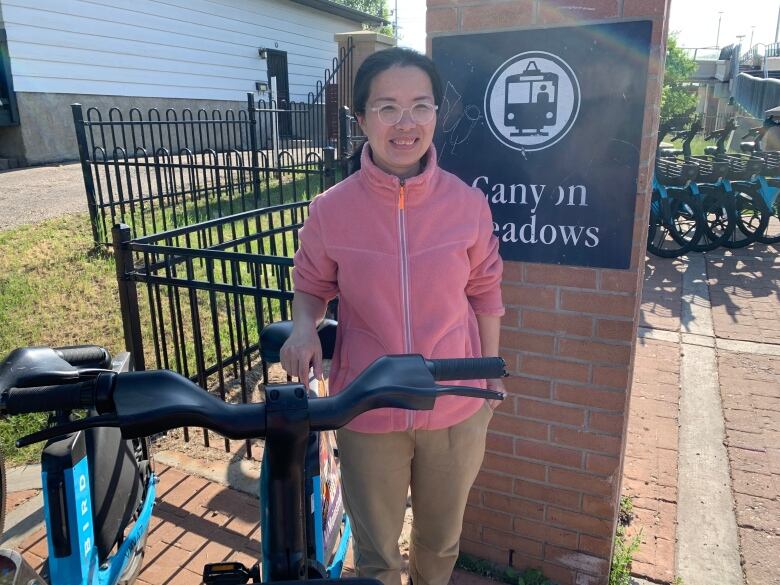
{"points": [[454, 343]]}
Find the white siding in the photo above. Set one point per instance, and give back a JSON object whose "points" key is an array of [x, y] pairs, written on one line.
{"points": [[198, 49]]}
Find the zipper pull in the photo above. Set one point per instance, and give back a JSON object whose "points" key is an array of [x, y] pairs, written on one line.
{"points": [[401, 197]]}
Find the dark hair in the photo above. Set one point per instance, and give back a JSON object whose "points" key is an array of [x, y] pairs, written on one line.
{"points": [[381, 61]]}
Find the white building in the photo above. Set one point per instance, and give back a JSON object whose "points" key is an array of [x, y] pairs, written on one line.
{"points": [[152, 53]]}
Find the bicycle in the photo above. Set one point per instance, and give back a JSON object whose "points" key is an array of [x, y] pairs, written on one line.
{"points": [[752, 211], [141, 404], [711, 189], [676, 220], [769, 184], [95, 484]]}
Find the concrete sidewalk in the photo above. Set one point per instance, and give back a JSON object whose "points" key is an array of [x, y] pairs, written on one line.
{"points": [[703, 455]]}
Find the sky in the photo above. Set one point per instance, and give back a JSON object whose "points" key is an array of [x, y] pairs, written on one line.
{"points": [[696, 21], [411, 23]]}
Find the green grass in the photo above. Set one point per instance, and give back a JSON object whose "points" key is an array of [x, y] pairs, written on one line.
{"points": [[53, 291], [697, 145], [496, 572]]}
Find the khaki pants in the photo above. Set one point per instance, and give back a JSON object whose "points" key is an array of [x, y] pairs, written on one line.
{"points": [[376, 473]]}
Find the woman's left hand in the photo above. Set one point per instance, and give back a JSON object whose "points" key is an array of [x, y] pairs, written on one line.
{"points": [[497, 385]]}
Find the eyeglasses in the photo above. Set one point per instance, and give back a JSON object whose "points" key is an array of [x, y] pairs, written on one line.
{"points": [[391, 114]]}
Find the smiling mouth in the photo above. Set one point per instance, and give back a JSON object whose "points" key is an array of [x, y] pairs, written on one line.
{"points": [[406, 141]]}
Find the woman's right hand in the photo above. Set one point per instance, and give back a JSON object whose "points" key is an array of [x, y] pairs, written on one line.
{"points": [[302, 351]]}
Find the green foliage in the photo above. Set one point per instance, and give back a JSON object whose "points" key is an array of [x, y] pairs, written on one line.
{"points": [[678, 99], [626, 513], [622, 556], [373, 7], [506, 575]]}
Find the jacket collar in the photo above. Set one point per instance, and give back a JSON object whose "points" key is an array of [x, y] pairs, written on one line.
{"points": [[390, 184]]}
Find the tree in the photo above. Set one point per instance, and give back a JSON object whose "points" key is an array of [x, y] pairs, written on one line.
{"points": [[374, 7], [678, 99]]}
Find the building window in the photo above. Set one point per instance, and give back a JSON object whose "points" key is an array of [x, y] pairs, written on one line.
{"points": [[9, 115]]}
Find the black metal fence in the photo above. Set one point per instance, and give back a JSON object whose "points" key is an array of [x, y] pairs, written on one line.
{"points": [[194, 299], [160, 170]]}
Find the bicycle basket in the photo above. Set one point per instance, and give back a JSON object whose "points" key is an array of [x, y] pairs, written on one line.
{"points": [[742, 166], [710, 169], [670, 171]]}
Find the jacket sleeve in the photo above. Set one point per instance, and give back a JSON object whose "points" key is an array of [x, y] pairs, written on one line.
{"points": [[314, 272], [484, 286]]}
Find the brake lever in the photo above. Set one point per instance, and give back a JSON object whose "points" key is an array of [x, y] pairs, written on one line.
{"points": [[469, 391], [104, 420]]}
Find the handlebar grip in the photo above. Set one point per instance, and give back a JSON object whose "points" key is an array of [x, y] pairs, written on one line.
{"points": [[467, 368], [85, 355], [50, 398]]}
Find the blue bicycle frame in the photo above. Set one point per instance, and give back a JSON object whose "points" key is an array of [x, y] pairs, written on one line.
{"points": [[768, 192], [70, 530]]}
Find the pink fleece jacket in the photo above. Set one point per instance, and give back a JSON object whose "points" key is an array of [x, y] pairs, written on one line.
{"points": [[412, 262]]}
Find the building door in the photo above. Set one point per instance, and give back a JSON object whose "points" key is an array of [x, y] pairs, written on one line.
{"points": [[277, 67]]}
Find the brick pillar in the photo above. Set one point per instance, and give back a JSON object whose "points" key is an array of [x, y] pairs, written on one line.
{"points": [[365, 42], [548, 493]]}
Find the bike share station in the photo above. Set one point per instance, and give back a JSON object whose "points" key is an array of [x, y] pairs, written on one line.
{"points": [[555, 123]]}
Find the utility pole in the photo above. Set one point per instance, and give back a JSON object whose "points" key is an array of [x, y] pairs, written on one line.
{"points": [[717, 37], [752, 30], [777, 26], [395, 24]]}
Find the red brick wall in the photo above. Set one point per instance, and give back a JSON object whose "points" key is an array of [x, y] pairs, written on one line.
{"points": [[549, 489]]}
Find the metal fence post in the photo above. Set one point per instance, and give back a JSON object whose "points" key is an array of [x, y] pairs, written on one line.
{"points": [[254, 147], [128, 295], [343, 132], [329, 167], [89, 185]]}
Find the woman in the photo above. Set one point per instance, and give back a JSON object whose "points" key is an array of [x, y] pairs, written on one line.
{"points": [[410, 252]]}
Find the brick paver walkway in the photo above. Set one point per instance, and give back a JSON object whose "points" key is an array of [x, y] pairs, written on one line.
{"points": [[750, 390], [650, 468], [195, 522], [745, 294]]}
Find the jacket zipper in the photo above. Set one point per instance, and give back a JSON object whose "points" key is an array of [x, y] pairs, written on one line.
{"points": [[405, 296]]}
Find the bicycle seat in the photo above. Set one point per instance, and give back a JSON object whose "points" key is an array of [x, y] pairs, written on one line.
{"points": [[710, 150], [273, 336], [35, 366]]}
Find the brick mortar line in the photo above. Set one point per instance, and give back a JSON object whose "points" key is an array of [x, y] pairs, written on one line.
{"points": [[719, 343]]}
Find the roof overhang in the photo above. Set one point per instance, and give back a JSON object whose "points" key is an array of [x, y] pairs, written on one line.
{"points": [[343, 11]]}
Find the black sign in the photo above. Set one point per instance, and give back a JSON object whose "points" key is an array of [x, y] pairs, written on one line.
{"points": [[548, 124]]}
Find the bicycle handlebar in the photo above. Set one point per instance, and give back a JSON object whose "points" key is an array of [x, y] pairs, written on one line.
{"points": [[466, 368], [146, 403], [49, 398], [85, 355]]}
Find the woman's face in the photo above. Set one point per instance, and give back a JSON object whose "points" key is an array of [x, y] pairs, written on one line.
{"points": [[398, 148]]}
